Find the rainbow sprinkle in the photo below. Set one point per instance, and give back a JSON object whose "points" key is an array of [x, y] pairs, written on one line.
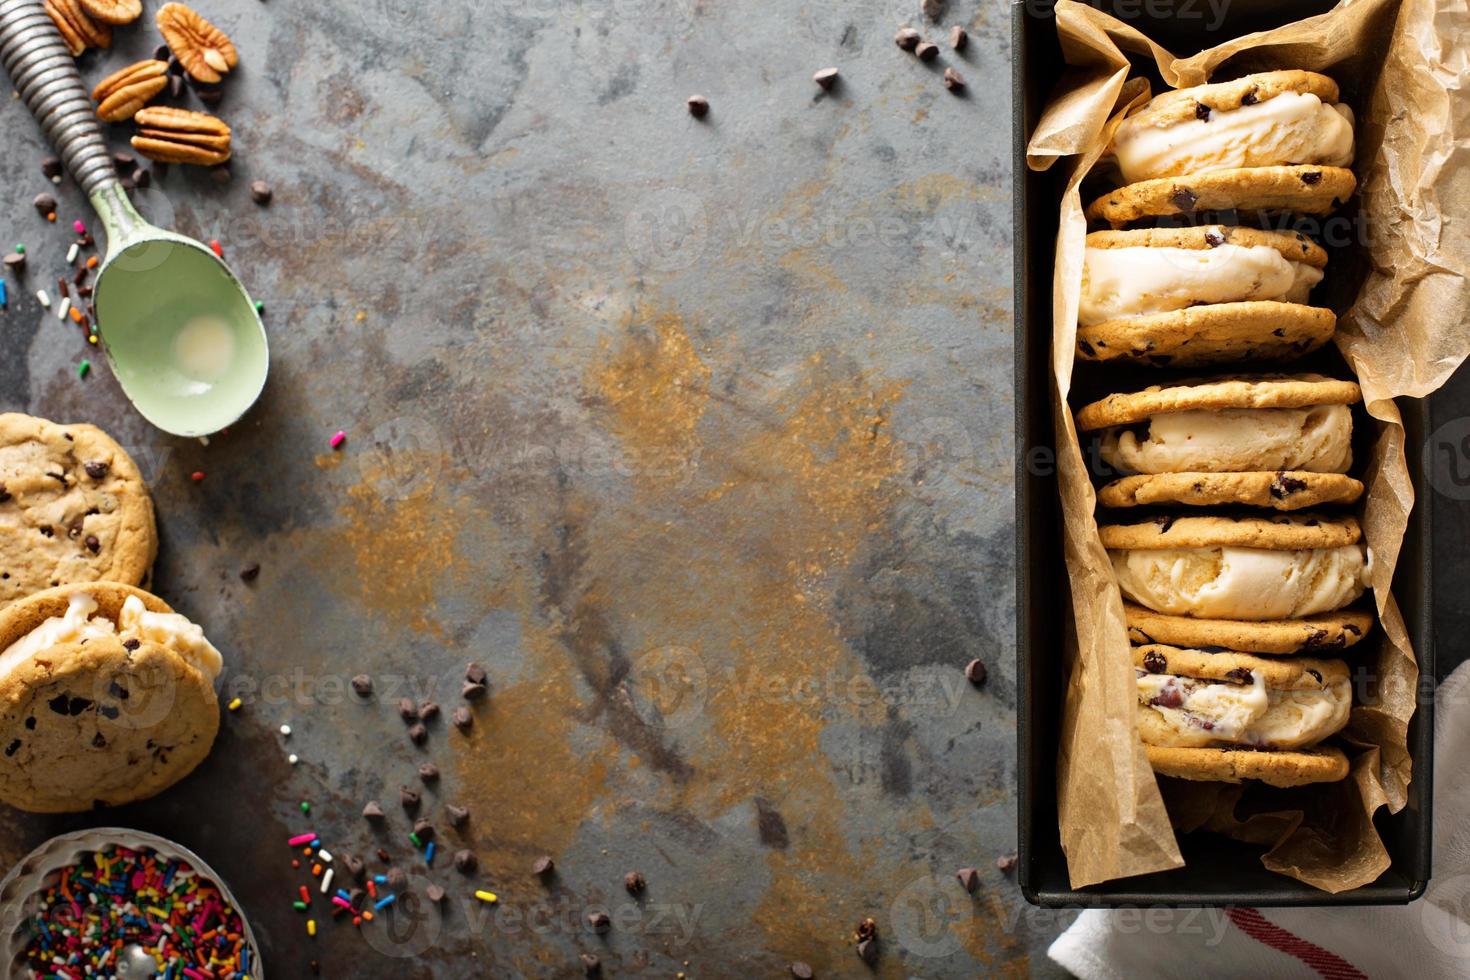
{"points": [[121, 897]]}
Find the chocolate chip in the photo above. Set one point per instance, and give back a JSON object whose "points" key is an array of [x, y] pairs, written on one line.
{"points": [[98, 742], [1006, 863], [428, 772], [600, 922], [434, 894], [12, 748], [698, 106], [826, 78], [109, 711], [397, 879], [953, 80], [93, 545], [31, 723], [362, 685], [1352, 629], [131, 644], [867, 950], [260, 192], [1202, 111], [44, 204], [472, 691], [407, 710], [1164, 522], [591, 965], [418, 734], [16, 262], [96, 469], [428, 711], [57, 704], [926, 50], [250, 572], [958, 39], [1249, 98], [866, 928], [1214, 239], [221, 174], [1279, 332], [457, 814], [76, 706], [423, 829], [635, 882], [51, 166], [1240, 675], [162, 53], [4, 494], [142, 177], [115, 689], [409, 798], [801, 971], [383, 855], [125, 163], [969, 879], [354, 864], [1312, 177], [463, 719], [1283, 486], [975, 672], [1155, 662], [475, 673], [1184, 199], [907, 38], [543, 866], [1087, 350], [372, 811], [465, 862]]}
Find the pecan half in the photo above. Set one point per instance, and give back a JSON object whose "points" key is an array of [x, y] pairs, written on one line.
{"points": [[114, 11], [203, 49], [120, 95], [77, 28], [169, 135]]}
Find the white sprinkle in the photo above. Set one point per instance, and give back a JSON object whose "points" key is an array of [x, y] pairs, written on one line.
{"points": [[292, 759], [323, 854], [71, 253], [43, 298], [56, 179], [286, 730], [64, 308], [204, 440], [327, 880]]}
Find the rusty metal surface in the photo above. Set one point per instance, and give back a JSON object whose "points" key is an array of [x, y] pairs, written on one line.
{"points": [[697, 435]]}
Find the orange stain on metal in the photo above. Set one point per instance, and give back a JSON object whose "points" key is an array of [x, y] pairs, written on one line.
{"points": [[656, 388]]}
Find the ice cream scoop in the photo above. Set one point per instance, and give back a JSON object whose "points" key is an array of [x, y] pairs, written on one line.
{"points": [[180, 331]]}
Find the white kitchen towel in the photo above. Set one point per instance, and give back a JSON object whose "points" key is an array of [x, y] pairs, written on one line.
{"points": [[1426, 940]]}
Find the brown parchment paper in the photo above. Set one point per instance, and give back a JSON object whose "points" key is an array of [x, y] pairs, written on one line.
{"points": [[1405, 332]]}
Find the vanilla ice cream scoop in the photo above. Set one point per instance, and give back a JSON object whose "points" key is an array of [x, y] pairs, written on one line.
{"points": [[1242, 583], [1286, 129], [1192, 712], [1137, 280], [134, 622], [1317, 439]]}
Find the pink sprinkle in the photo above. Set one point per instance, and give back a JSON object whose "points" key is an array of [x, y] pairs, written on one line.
{"points": [[338, 438], [78, 227], [300, 839], [339, 900]]}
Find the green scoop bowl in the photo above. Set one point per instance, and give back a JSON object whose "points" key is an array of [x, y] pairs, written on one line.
{"points": [[179, 329]]}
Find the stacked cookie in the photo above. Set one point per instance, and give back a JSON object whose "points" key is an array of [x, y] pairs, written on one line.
{"points": [[106, 694], [1246, 566]]}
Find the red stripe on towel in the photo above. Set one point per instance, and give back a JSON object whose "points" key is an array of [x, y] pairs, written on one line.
{"points": [[1325, 962]]}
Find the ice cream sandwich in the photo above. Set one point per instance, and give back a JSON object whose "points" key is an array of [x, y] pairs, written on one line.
{"points": [[1277, 140], [1285, 566], [106, 697], [1278, 441], [1230, 716], [1187, 296]]}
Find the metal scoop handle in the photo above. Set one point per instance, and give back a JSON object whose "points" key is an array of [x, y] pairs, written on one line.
{"points": [[45, 73]]}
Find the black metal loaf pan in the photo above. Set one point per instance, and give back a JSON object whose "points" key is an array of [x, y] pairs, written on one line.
{"points": [[1218, 871]]}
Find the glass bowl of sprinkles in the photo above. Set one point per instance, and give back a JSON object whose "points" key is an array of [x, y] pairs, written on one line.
{"points": [[124, 905]]}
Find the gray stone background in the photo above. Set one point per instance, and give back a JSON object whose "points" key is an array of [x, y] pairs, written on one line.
{"points": [[697, 434]]}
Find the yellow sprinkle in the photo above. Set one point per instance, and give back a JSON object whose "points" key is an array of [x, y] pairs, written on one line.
{"points": [[235, 704], [361, 315], [311, 927], [485, 896]]}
